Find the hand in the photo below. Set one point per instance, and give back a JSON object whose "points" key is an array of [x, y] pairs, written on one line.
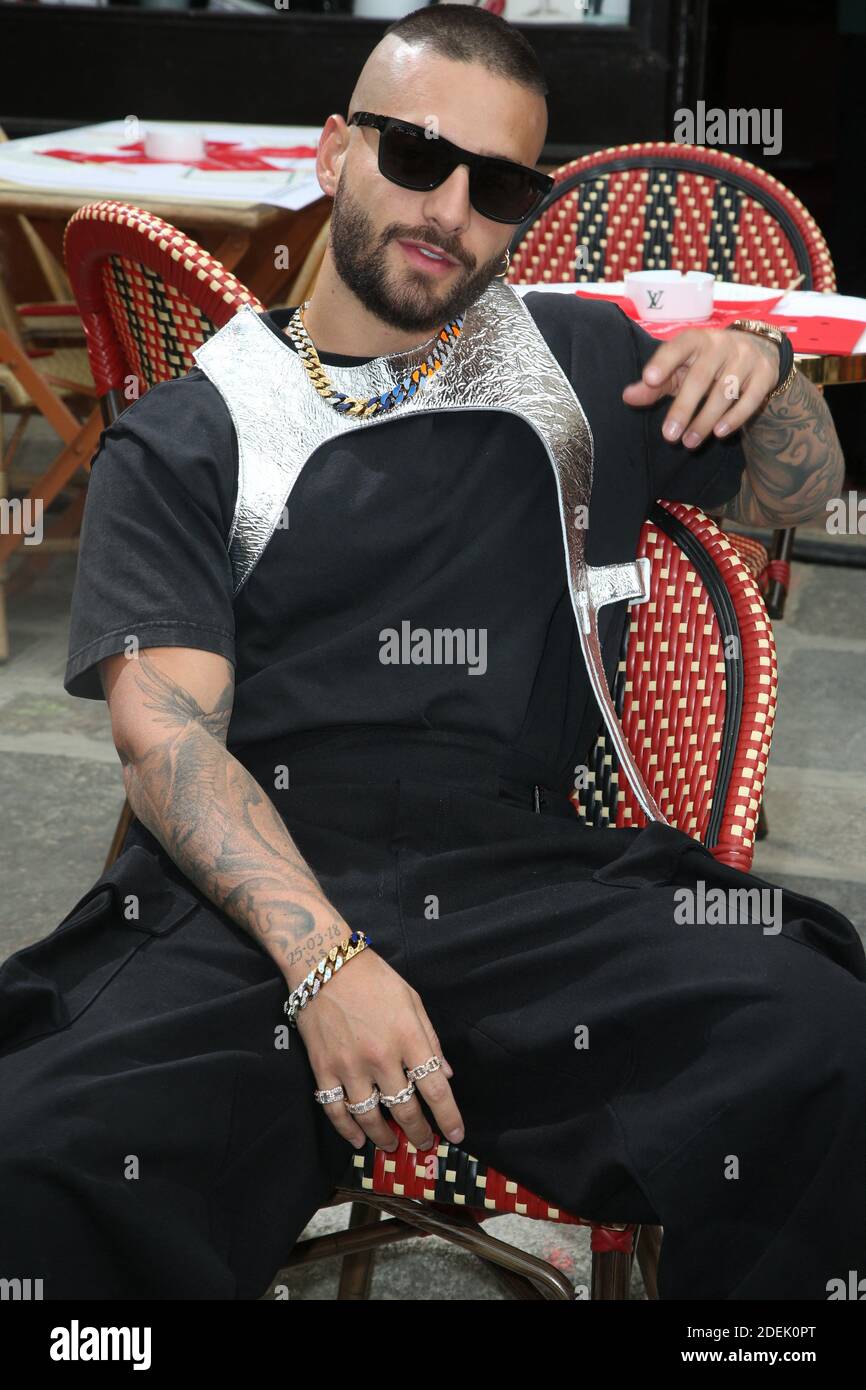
{"points": [[729, 371], [363, 1027]]}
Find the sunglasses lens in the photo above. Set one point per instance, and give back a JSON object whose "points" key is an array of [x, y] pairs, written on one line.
{"points": [[497, 190], [410, 160], [506, 195]]}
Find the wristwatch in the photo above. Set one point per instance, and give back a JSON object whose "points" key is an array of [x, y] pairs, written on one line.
{"points": [[787, 366]]}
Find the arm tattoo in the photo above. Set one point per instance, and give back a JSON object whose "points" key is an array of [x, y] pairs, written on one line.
{"points": [[220, 828], [794, 461]]}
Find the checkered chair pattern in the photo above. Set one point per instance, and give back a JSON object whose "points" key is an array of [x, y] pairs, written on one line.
{"points": [[695, 689], [661, 206], [148, 295]]}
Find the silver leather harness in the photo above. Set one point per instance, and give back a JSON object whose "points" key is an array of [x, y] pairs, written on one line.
{"points": [[280, 421]]}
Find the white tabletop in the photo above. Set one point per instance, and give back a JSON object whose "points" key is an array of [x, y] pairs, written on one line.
{"points": [[797, 303], [291, 183]]}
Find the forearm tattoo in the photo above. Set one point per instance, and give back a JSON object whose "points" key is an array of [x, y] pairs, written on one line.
{"points": [[794, 461], [220, 828]]}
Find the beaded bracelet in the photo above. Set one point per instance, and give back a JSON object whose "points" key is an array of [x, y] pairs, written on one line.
{"points": [[312, 983]]}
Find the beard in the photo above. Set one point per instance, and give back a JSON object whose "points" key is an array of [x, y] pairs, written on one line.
{"points": [[412, 301]]}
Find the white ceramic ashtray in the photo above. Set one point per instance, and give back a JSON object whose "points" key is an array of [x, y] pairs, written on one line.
{"points": [[668, 294], [173, 142]]}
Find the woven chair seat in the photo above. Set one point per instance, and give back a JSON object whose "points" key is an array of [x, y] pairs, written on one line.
{"points": [[59, 366], [753, 554]]}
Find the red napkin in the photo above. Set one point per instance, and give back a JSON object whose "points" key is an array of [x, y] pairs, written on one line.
{"points": [[808, 333], [723, 314], [815, 333]]}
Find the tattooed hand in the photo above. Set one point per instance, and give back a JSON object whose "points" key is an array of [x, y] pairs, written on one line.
{"points": [[720, 380]]}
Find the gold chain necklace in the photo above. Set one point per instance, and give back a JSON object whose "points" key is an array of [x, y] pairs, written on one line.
{"points": [[445, 341]]}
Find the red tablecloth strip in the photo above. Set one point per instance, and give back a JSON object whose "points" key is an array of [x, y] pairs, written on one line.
{"points": [[808, 333], [220, 156]]}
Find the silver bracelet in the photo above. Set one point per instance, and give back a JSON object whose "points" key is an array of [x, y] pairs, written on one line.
{"points": [[311, 984]]}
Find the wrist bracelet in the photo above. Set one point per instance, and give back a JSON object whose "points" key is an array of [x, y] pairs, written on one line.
{"points": [[312, 983], [787, 366]]}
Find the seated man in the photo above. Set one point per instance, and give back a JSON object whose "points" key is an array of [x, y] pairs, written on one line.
{"points": [[327, 585]]}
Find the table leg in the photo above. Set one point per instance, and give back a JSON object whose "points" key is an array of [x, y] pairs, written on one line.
{"points": [[231, 249], [264, 271], [77, 454]]}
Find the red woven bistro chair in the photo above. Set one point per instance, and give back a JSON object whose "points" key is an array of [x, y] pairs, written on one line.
{"points": [[148, 296], [695, 690], [660, 206]]}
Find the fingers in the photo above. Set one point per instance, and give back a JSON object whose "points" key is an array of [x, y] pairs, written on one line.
{"points": [[717, 381], [434, 1087], [665, 369], [639, 393], [722, 417], [336, 1110], [408, 1114], [699, 382], [390, 1079], [381, 1067]]}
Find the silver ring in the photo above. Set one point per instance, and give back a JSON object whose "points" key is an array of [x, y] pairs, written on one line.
{"points": [[417, 1073], [360, 1107], [401, 1097], [328, 1097]]}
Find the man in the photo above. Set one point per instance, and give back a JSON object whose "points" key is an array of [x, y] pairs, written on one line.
{"points": [[323, 589]]}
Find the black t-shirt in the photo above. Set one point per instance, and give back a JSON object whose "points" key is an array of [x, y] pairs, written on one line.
{"points": [[434, 523]]}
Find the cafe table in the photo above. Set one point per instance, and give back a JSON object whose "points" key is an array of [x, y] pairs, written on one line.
{"points": [[249, 195], [793, 309]]}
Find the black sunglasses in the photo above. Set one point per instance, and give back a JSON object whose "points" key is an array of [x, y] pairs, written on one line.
{"points": [[498, 188]]}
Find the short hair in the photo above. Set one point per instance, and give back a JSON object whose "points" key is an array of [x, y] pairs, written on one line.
{"points": [[466, 34]]}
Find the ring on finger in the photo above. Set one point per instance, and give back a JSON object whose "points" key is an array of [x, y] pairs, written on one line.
{"points": [[328, 1097], [401, 1097], [418, 1073], [360, 1107]]}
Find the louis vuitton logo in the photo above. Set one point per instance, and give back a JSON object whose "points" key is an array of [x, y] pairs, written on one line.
{"points": [[655, 298]]}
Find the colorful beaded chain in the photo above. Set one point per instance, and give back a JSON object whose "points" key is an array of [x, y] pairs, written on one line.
{"points": [[446, 339]]}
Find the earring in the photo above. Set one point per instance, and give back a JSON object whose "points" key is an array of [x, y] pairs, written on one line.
{"points": [[500, 275]]}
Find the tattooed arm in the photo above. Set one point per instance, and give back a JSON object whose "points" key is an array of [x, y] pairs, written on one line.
{"points": [[170, 710], [794, 462]]}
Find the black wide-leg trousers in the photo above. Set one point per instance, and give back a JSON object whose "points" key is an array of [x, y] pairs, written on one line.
{"points": [[158, 1142]]}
